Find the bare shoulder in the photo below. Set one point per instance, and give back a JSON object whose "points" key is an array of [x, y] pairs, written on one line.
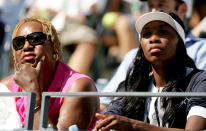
{"points": [[7, 81], [83, 84]]}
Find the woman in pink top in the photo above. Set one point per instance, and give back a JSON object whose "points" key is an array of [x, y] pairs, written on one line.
{"points": [[37, 54]]}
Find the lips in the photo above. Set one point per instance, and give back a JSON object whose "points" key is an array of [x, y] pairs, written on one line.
{"points": [[29, 57], [155, 49]]}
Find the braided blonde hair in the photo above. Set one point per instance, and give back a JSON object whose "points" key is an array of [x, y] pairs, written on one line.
{"points": [[48, 29]]}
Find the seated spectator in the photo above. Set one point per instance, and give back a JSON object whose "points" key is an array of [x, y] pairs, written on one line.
{"points": [[197, 20], [161, 65], [195, 47], [37, 59]]}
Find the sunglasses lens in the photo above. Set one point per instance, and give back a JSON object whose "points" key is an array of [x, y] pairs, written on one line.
{"points": [[18, 42], [36, 38]]}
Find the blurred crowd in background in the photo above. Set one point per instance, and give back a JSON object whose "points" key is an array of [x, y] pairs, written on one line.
{"points": [[95, 34]]}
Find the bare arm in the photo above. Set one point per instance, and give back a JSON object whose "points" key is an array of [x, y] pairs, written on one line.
{"points": [[78, 110], [121, 123], [196, 123]]}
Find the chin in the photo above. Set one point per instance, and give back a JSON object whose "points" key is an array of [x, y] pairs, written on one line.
{"points": [[155, 61], [32, 63]]}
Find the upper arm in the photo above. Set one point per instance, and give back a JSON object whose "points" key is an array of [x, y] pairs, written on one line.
{"points": [[197, 84], [196, 123], [7, 81], [197, 105], [78, 110]]}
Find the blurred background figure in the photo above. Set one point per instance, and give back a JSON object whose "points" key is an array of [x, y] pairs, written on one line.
{"points": [[117, 35], [11, 11], [116, 30], [78, 40], [2, 31], [197, 23]]}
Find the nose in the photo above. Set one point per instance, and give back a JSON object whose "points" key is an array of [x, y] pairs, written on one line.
{"points": [[154, 39], [27, 46]]}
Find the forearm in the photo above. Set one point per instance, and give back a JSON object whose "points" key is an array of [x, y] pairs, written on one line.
{"points": [[37, 119], [122, 123], [34, 87], [143, 126]]}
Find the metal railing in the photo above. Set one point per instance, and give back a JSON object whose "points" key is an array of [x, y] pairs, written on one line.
{"points": [[43, 123], [30, 106], [47, 95]]}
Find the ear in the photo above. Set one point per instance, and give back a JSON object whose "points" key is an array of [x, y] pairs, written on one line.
{"points": [[182, 10]]}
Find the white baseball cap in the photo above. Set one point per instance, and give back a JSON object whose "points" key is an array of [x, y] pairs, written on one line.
{"points": [[159, 16]]}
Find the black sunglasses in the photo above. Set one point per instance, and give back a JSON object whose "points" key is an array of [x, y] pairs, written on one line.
{"points": [[35, 38]]}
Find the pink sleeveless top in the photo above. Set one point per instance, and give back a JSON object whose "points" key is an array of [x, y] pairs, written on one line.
{"points": [[62, 81]]}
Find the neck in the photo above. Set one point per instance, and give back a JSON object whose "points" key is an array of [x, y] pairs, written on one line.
{"points": [[159, 75]]}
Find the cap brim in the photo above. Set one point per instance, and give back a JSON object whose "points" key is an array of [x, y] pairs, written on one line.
{"points": [[159, 16]]}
